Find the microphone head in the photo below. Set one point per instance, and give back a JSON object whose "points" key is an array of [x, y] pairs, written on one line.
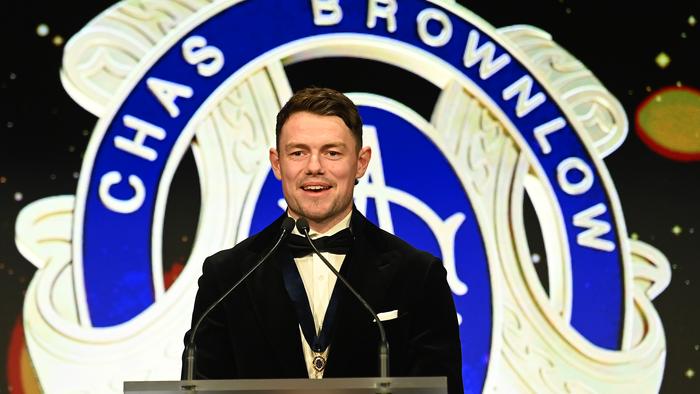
{"points": [[287, 225], [303, 225]]}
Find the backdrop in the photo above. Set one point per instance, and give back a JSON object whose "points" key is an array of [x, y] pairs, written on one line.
{"points": [[599, 236]]}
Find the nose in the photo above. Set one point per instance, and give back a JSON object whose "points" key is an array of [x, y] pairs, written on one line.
{"points": [[314, 166]]}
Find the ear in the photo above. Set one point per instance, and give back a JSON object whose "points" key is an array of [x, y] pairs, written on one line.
{"points": [[275, 163], [363, 161]]}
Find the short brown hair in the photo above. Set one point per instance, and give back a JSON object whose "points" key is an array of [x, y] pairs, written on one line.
{"points": [[324, 102]]}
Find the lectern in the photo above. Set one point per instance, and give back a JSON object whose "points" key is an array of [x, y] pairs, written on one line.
{"points": [[412, 385]]}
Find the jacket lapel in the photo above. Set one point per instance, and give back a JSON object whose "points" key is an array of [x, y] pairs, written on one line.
{"points": [[370, 273], [273, 307]]}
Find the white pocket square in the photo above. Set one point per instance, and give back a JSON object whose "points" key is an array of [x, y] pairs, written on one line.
{"points": [[390, 315]]}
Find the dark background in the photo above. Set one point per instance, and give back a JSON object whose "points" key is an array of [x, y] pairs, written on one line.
{"points": [[43, 135]]}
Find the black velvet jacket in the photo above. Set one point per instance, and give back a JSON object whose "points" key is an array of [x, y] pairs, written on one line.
{"points": [[254, 332]]}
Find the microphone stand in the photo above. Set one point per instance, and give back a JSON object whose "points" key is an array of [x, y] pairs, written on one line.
{"points": [[191, 348]]}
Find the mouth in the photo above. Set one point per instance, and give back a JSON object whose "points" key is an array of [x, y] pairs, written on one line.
{"points": [[315, 188]]}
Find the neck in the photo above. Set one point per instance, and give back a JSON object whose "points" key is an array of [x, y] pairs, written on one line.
{"points": [[321, 226]]}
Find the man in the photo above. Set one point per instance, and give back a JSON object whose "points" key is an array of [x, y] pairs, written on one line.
{"points": [[290, 319]]}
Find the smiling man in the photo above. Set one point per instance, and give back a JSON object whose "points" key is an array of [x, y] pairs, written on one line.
{"points": [[293, 319]]}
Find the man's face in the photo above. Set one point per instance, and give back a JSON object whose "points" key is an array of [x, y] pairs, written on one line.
{"points": [[318, 163]]}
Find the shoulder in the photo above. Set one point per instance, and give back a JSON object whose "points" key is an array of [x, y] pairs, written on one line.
{"points": [[385, 242], [244, 253], [248, 245], [394, 248]]}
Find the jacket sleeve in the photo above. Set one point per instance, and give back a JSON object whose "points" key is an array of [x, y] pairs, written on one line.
{"points": [[214, 357], [435, 348]]}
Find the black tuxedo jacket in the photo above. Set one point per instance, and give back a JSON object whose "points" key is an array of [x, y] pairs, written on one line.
{"points": [[254, 333]]}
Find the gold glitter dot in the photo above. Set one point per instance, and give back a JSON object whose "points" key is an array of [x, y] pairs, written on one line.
{"points": [[568, 10], [692, 21], [679, 83], [647, 88], [662, 60], [674, 266], [683, 35], [687, 282], [696, 347], [184, 238], [86, 132], [3, 179], [677, 230], [18, 196], [634, 236], [691, 230], [42, 30], [689, 373], [57, 40]]}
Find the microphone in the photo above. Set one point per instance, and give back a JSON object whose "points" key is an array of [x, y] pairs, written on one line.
{"points": [[191, 348], [303, 227]]}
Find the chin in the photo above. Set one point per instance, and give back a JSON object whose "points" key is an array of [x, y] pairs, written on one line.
{"points": [[317, 216]]}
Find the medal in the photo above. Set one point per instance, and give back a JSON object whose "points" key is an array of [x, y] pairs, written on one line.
{"points": [[319, 362]]}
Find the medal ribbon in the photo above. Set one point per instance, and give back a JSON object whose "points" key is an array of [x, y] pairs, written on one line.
{"points": [[295, 288]]}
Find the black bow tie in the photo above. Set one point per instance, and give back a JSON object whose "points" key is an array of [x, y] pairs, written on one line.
{"points": [[338, 243]]}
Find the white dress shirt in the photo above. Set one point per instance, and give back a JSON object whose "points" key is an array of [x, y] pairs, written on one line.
{"points": [[318, 283]]}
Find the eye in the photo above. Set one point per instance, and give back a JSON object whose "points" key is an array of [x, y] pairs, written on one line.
{"points": [[296, 153], [332, 153]]}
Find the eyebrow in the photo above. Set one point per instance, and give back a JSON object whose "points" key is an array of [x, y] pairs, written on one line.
{"points": [[292, 145]]}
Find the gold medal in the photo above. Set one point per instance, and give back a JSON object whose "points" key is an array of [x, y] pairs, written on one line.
{"points": [[319, 362]]}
